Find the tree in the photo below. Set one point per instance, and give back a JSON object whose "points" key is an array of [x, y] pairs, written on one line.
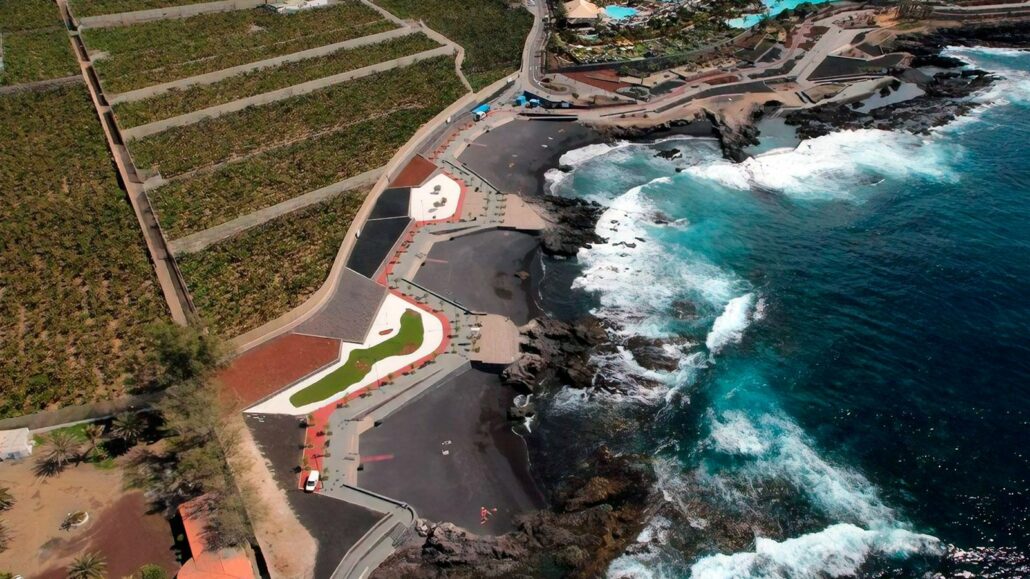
{"points": [[128, 426], [185, 353], [61, 447], [94, 434], [5, 537], [6, 499], [151, 571], [88, 566]]}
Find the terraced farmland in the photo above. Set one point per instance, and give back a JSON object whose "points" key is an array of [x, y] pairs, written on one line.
{"points": [[253, 277], [178, 102], [429, 85], [83, 8], [493, 32], [77, 291], [35, 45], [192, 205], [132, 57]]}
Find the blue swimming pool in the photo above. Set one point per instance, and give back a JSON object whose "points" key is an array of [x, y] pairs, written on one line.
{"points": [[774, 7], [619, 12]]}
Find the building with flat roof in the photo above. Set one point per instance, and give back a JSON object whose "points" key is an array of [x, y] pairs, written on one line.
{"points": [[15, 444]]}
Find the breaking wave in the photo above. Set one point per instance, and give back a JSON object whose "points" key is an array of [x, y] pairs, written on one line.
{"points": [[837, 551], [730, 325], [822, 168]]}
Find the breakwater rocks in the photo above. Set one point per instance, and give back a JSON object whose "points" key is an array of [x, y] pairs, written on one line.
{"points": [[598, 512], [944, 101], [946, 93], [572, 224]]}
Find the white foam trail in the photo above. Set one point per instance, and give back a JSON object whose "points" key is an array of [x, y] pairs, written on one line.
{"points": [[828, 167], [729, 326], [577, 157], [736, 435], [837, 551]]}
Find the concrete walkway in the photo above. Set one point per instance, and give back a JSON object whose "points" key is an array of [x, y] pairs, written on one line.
{"points": [[202, 239]]}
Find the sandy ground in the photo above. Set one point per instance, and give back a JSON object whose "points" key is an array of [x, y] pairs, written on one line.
{"points": [[288, 548], [119, 526]]}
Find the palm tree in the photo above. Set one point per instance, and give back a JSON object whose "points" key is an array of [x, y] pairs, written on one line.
{"points": [[88, 566], [94, 434], [5, 537], [128, 426], [62, 447], [6, 499]]}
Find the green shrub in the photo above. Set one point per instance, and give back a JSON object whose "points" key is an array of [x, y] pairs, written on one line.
{"points": [[151, 571], [166, 50], [78, 291], [178, 102], [251, 278], [493, 32]]}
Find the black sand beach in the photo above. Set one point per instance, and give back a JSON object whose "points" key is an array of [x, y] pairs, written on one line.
{"points": [[479, 271], [336, 525], [515, 156], [486, 464]]}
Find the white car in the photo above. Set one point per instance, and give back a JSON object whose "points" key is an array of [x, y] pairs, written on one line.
{"points": [[311, 482]]}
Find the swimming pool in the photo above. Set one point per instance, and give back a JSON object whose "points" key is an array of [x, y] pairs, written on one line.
{"points": [[619, 12], [773, 7]]}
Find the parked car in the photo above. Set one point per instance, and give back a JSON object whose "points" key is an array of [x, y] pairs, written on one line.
{"points": [[311, 482]]}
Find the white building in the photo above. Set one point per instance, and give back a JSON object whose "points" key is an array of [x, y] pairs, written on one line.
{"points": [[15, 444]]}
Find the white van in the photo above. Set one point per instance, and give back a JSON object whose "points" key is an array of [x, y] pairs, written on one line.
{"points": [[311, 482]]}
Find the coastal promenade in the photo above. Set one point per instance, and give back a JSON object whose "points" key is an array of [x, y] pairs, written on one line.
{"points": [[360, 439]]}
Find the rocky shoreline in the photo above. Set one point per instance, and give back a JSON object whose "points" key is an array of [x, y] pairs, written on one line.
{"points": [[601, 505], [947, 93]]}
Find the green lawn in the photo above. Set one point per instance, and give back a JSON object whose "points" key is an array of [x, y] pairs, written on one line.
{"points": [[407, 340], [493, 32]]}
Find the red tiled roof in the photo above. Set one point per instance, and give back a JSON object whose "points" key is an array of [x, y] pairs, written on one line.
{"points": [[208, 564]]}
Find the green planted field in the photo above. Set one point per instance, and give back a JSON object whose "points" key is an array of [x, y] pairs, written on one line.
{"points": [[492, 32], [407, 340], [77, 292], [166, 50], [251, 278], [83, 8], [37, 55], [192, 205], [428, 85], [178, 102], [28, 15], [33, 42]]}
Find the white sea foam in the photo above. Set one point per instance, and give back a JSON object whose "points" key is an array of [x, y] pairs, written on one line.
{"points": [[1014, 86], [829, 167], [730, 325], [735, 434], [837, 551]]}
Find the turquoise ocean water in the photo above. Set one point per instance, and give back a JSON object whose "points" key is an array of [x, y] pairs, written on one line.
{"points": [[851, 321]]}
